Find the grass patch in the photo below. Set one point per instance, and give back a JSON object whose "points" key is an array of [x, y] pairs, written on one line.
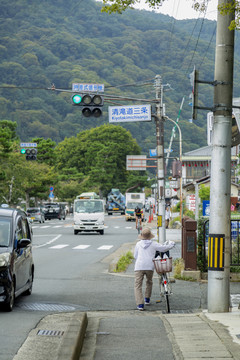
{"points": [[177, 270], [124, 261]]}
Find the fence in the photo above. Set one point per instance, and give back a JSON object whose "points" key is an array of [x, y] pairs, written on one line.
{"points": [[234, 243]]}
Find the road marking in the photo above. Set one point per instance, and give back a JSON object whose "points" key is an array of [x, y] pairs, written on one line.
{"points": [[59, 246], [45, 226], [81, 247], [105, 247], [49, 242], [57, 226]]}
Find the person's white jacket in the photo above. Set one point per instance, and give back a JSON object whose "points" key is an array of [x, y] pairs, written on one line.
{"points": [[144, 253]]}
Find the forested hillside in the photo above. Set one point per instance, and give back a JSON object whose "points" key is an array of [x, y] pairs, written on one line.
{"points": [[61, 42]]}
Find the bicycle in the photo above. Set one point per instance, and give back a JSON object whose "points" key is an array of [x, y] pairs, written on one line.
{"points": [[139, 228], [162, 267]]}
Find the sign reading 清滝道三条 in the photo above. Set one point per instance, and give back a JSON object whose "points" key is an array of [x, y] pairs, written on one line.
{"points": [[129, 113]]}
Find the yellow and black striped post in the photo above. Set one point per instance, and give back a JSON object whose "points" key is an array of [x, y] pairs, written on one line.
{"points": [[216, 246]]}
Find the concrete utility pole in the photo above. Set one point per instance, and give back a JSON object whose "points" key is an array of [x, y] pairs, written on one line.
{"points": [[219, 227], [160, 161]]}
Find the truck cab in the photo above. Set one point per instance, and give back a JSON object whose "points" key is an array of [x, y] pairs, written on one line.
{"points": [[88, 215]]}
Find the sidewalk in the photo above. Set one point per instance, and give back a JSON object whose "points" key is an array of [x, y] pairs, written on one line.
{"points": [[134, 335]]}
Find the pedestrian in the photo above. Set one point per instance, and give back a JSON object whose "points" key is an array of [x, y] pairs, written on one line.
{"points": [[167, 216], [144, 254]]}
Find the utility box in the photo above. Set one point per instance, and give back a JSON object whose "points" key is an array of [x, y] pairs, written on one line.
{"points": [[189, 243]]}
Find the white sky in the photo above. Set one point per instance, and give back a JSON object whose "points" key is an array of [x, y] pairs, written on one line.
{"points": [[182, 9]]}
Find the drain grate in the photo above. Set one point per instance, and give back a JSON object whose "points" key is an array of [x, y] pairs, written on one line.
{"points": [[50, 332], [46, 307]]}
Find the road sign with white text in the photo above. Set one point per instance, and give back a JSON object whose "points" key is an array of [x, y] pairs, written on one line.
{"points": [[88, 87], [136, 162], [129, 113]]}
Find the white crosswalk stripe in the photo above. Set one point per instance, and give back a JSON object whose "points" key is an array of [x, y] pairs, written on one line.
{"points": [[105, 247], [81, 247], [59, 246]]}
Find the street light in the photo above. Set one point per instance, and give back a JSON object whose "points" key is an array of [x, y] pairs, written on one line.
{"points": [[180, 158]]}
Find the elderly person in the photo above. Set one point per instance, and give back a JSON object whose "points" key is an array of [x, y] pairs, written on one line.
{"points": [[144, 254]]}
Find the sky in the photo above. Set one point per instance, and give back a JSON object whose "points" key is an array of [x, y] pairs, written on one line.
{"points": [[182, 9]]}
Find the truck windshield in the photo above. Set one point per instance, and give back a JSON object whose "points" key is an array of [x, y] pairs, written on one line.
{"points": [[4, 232], [88, 206], [133, 205]]}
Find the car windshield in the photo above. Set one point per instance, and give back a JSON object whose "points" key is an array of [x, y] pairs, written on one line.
{"points": [[90, 206], [4, 232], [34, 210]]}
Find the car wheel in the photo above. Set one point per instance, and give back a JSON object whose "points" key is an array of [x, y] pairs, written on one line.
{"points": [[29, 290], [9, 305], [75, 232], [101, 232]]}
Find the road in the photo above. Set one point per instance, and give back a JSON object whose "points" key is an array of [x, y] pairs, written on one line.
{"points": [[69, 276]]}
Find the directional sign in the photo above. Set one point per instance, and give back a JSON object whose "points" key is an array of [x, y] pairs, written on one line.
{"points": [[129, 113], [28, 144], [88, 87], [51, 195], [153, 152]]}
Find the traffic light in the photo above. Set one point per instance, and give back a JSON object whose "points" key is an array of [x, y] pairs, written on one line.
{"points": [[31, 153], [91, 104]]}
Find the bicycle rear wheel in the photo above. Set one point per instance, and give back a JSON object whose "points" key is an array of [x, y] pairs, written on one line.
{"points": [[167, 302], [166, 292]]}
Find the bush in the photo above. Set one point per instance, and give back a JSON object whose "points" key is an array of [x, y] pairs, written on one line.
{"points": [[124, 261]]}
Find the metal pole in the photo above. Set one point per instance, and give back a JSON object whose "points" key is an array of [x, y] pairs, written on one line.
{"points": [[161, 231], [180, 158], [220, 189], [173, 132]]}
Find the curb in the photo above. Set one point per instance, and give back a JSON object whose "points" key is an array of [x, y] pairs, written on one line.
{"points": [[73, 340]]}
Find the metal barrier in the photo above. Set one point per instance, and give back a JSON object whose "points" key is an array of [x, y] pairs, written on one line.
{"points": [[234, 243]]}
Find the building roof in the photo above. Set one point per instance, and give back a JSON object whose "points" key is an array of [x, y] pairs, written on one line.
{"points": [[205, 154]]}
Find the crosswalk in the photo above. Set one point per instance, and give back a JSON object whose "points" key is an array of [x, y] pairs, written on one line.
{"points": [[52, 226], [79, 247]]}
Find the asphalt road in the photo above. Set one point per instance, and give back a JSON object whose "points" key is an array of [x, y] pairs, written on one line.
{"points": [[69, 276]]}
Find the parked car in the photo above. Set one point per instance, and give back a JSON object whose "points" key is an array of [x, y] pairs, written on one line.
{"points": [[36, 214], [16, 260], [54, 211]]}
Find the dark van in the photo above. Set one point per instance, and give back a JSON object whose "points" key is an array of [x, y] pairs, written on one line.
{"points": [[54, 210]]}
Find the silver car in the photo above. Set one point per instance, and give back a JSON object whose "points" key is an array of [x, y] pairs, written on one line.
{"points": [[36, 214]]}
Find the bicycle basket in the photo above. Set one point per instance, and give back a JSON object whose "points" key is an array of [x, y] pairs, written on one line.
{"points": [[162, 265]]}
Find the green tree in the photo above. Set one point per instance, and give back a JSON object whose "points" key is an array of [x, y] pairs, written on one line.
{"points": [[45, 151], [204, 192], [100, 154]]}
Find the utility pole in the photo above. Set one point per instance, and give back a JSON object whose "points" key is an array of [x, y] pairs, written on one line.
{"points": [[160, 161], [220, 190]]}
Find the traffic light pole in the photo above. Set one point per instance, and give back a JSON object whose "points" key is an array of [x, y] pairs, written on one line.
{"points": [[220, 190], [161, 231]]}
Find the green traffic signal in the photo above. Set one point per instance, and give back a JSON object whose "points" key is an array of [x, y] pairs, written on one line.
{"points": [[23, 151], [76, 99]]}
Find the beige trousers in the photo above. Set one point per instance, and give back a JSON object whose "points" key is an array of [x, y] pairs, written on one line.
{"points": [[139, 276]]}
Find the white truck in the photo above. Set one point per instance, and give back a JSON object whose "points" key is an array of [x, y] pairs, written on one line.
{"points": [[88, 214], [132, 201]]}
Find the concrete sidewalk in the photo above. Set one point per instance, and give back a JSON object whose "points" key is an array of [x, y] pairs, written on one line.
{"points": [[148, 335]]}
